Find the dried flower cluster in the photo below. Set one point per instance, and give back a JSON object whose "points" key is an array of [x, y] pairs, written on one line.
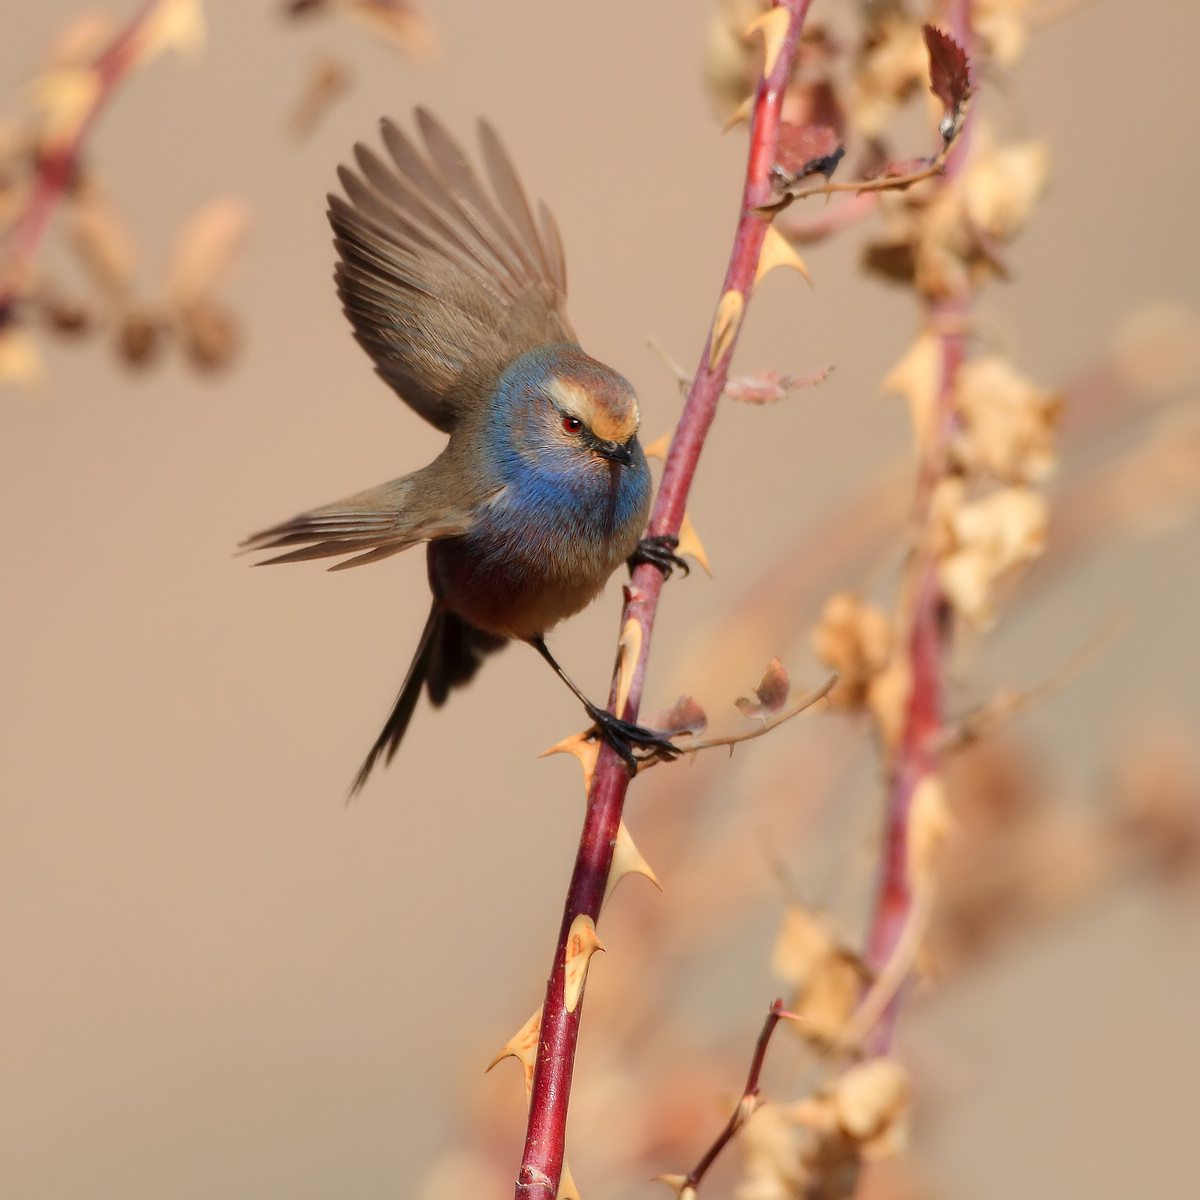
{"points": [[983, 436], [46, 174], [974, 847]]}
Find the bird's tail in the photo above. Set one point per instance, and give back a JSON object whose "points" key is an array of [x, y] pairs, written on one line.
{"points": [[447, 657]]}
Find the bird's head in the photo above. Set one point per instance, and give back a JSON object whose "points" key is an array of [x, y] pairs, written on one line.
{"points": [[562, 405]]}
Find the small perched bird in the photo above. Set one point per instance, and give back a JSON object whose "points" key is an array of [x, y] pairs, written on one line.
{"points": [[542, 491]]}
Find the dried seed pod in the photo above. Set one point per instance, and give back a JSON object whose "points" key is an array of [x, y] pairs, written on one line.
{"points": [[206, 250], [140, 336], [210, 335], [102, 240], [1008, 421], [855, 639], [1003, 182], [65, 316], [827, 977], [871, 1098], [994, 535]]}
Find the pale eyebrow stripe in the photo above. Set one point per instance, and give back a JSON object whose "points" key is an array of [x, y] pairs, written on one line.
{"points": [[575, 400], [570, 396]]}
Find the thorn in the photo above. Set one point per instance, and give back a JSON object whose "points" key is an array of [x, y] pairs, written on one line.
{"points": [[585, 749], [741, 113], [523, 1047], [777, 251], [773, 25], [567, 1188], [678, 1184], [725, 325], [690, 544], [658, 448], [629, 649], [627, 860], [747, 1107], [582, 943]]}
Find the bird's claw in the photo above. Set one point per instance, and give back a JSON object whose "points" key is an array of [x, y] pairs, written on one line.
{"points": [[659, 551], [625, 737]]}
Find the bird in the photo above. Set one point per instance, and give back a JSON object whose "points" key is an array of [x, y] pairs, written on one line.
{"points": [[457, 292]]}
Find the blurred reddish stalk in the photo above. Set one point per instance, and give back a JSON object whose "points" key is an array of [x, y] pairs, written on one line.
{"points": [[916, 755], [542, 1162], [746, 1105], [57, 163]]}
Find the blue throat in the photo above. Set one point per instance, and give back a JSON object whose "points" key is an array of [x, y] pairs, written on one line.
{"points": [[546, 492]]}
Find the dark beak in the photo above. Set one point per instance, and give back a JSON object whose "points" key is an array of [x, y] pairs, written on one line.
{"points": [[618, 452]]}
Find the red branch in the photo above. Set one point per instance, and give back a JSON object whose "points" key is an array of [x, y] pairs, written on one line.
{"points": [[917, 754], [541, 1165], [746, 1105], [57, 165]]}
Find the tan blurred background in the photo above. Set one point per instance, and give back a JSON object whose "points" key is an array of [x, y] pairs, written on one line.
{"points": [[219, 980]]}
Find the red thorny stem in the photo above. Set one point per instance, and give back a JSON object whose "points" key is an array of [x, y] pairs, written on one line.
{"points": [[916, 755], [57, 164], [542, 1162]]}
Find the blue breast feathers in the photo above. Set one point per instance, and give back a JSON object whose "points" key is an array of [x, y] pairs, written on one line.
{"points": [[565, 516]]}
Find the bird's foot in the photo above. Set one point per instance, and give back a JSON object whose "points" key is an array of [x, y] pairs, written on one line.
{"points": [[660, 552], [625, 737]]}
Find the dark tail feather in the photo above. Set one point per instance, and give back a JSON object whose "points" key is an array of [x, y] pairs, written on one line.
{"points": [[458, 652], [448, 655], [388, 741]]}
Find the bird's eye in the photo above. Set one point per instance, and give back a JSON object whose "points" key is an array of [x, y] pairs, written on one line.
{"points": [[572, 424]]}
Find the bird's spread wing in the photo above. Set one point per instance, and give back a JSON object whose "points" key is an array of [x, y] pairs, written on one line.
{"points": [[445, 284], [371, 525]]}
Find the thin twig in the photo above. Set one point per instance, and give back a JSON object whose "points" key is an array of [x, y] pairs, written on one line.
{"points": [[880, 183], [1009, 703], [681, 376], [733, 739], [542, 1161], [685, 1185], [833, 219]]}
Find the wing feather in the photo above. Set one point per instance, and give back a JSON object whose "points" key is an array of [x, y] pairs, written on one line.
{"points": [[512, 198], [452, 200], [552, 240], [400, 209], [469, 194], [370, 525], [445, 280]]}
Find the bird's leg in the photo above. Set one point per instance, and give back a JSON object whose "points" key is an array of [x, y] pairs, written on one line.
{"points": [[623, 736], [660, 551]]}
